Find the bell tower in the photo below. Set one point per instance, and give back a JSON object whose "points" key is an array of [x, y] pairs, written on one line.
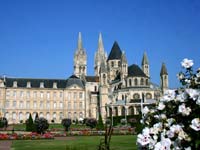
{"points": [[80, 59]]}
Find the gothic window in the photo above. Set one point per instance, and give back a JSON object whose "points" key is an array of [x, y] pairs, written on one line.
{"points": [[119, 63], [142, 81], [112, 64], [130, 82], [136, 82], [147, 82]]}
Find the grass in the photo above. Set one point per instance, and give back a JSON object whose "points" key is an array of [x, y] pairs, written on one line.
{"points": [[125, 142]]}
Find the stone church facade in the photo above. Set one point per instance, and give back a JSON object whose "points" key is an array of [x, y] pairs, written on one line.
{"points": [[116, 88]]}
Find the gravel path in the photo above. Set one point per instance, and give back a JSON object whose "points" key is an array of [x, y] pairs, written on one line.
{"points": [[5, 145]]}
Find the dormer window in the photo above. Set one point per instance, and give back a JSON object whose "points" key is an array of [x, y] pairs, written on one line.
{"points": [[28, 85], [41, 84], [15, 84], [55, 85]]}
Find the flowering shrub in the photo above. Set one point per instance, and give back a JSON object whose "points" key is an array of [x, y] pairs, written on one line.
{"points": [[29, 136], [175, 122]]}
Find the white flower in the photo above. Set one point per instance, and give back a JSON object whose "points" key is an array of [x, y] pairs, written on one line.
{"points": [[188, 148], [195, 124], [181, 97], [168, 95], [144, 138], [161, 106], [194, 94], [164, 144], [198, 101], [174, 129], [169, 122], [145, 110], [185, 111], [186, 63]]}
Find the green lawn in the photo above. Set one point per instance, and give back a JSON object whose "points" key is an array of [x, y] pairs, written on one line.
{"points": [[125, 142]]}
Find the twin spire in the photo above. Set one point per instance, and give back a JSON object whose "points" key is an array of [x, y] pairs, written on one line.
{"points": [[100, 42], [80, 44]]}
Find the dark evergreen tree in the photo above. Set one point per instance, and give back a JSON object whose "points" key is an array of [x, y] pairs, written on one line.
{"points": [[29, 123]]}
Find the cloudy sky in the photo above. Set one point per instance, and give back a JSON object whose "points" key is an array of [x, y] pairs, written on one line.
{"points": [[38, 38]]}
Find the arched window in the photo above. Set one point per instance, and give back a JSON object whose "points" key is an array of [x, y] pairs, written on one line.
{"points": [[149, 96], [136, 82], [122, 97], [130, 82], [112, 64], [142, 81], [104, 78], [119, 63], [147, 82], [48, 116]]}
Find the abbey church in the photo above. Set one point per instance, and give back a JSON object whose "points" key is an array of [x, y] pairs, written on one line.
{"points": [[117, 88]]}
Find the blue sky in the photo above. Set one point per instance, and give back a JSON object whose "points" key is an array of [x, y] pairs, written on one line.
{"points": [[38, 38]]}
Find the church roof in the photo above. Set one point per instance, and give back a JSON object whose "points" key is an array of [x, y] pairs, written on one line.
{"points": [[115, 52], [163, 70], [134, 70]]}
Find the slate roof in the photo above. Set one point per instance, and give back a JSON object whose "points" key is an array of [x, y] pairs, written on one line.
{"points": [[75, 80], [35, 83], [48, 83], [92, 78], [135, 70], [115, 52], [163, 70]]}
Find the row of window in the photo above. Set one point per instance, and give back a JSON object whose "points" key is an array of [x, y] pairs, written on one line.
{"points": [[137, 82], [41, 105], [137, 96], [41, 94], [54, 116]]}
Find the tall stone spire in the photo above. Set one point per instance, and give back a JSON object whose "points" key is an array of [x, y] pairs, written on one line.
{"points": [[163, 70], [164, 78], [145, 65], [80, 44], [100, 44], [80, 59], [100, 55], [145, 59]]}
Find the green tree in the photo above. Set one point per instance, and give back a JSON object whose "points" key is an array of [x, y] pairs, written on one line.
{"points": [[29, 123]]}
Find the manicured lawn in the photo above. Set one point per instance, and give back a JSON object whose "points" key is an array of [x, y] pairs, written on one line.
{"points": [[125, 142]]}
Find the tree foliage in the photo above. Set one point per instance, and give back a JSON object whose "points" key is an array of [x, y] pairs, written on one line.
{"points": [[66, 123], [41, 125], [29, 123], [91, 122], [3, 122]]}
